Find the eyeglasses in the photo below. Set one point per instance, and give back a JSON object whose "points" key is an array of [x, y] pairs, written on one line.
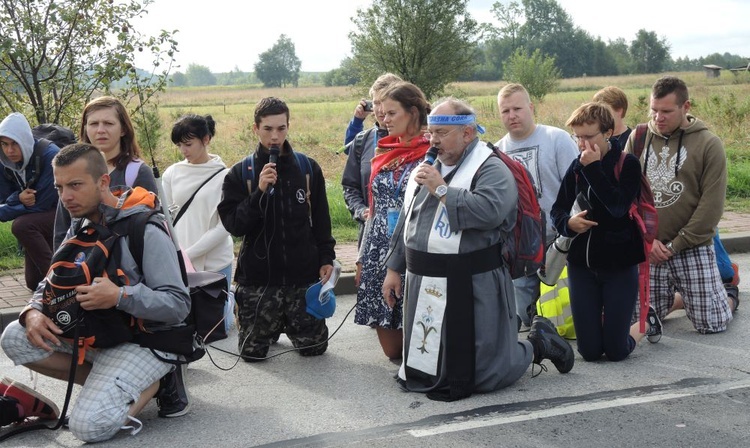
{"points": [[584, 138], [442, 133]]}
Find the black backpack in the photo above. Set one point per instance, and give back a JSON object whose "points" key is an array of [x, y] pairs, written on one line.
{"points": [[208, 290], [57, 134]]}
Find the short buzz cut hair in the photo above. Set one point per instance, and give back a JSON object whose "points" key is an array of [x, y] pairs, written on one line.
{"points": [[96, 166], [594, 112], [614, 96], [270, 106], [510, 89], [670, 84]]}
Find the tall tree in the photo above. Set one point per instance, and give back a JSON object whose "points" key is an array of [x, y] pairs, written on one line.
{"points": [[536, 72], [649, 53], [427, 42], [199, 75], [279, 66], [54, 54], [509, 18]]}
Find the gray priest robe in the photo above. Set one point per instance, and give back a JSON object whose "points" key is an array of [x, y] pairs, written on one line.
{"points": [[460, 330]]}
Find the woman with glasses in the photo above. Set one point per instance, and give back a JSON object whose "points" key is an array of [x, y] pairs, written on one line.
{"points": [[405, 110], [604, 256]]}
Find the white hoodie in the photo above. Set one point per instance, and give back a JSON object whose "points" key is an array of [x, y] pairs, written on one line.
{"points": [[199, 231]]}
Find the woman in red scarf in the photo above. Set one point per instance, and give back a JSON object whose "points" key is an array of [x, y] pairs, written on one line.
{"points": [[405, 108]]}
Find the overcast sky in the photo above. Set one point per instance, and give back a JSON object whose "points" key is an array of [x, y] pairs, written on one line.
{"points": [[224, 34]]}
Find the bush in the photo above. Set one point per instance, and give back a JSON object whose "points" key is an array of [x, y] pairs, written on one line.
{"points": [[536, 72]]}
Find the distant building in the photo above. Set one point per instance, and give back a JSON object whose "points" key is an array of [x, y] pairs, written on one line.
{"points": [[745, 68], [712, 71]]}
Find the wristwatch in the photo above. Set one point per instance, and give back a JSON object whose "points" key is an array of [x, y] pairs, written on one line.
{"points": [[671, 249], [441, 191]]}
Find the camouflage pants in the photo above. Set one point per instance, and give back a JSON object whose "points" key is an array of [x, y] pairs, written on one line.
{"points": [[263, 313]]}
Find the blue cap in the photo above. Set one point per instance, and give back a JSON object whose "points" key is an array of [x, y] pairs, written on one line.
{"points": [[320, 306]]}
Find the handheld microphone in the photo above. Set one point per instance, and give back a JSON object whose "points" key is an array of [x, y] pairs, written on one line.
{"points": [[429, 158], [431, 155], [274, 158]]}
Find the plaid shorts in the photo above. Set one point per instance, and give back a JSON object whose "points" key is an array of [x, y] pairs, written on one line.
{"points": [[118, 377], [694, 274]]}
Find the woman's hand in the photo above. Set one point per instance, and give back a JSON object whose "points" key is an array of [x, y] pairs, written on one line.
{"points": [[591, 153], [579, 224]]}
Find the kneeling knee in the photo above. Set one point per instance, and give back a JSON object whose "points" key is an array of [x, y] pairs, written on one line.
{"points": [[590, 356], [88, 428]]}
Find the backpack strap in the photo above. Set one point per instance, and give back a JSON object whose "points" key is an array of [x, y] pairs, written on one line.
{"points": [[304, 164], [639, 143], [131, 171], [248, 172], [360, 141], [36, 158]]}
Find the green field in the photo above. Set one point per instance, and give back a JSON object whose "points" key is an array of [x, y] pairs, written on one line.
{"points": [[319, 116]]}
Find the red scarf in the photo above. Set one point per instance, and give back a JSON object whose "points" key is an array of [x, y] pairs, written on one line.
{"points": [[392, 153]]}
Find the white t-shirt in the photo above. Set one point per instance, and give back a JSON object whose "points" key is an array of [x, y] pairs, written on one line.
{"points": [[547, 153]]}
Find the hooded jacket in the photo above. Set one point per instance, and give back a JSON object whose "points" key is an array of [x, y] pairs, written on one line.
{"points": [[615, 241], [285, 240], [155, 291], [688, 175], [16, 127]]}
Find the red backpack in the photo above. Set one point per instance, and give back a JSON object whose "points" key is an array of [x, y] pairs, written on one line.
{"points": [[643, 212], [523, 250]]}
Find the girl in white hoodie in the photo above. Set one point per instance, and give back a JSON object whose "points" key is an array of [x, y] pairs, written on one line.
{"points": [[200, 176]]}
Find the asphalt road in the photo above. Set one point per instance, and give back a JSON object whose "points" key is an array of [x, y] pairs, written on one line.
{"points": [[687, 390]]}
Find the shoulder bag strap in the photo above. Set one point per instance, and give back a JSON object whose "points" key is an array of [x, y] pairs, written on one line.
{"points": [[187, 203]]}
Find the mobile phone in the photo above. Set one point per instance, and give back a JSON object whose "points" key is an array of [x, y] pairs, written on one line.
{"points": [[368, 106]]}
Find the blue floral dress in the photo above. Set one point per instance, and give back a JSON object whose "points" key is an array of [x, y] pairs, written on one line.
{"points": [[388, 188]]}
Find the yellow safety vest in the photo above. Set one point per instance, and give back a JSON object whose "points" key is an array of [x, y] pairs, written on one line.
{"points": [[554, 304]]}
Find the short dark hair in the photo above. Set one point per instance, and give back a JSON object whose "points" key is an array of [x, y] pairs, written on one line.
{"points": [[193, 126], [270, 106], [670, 84], [96, 166]]}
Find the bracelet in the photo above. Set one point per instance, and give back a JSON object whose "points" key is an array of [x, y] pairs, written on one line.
{"points": [[119, 297]]}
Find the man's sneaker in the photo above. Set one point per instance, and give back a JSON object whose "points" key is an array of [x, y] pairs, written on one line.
{"points": [[653, 334], [172, 396], [33, 403], [548, 344]]}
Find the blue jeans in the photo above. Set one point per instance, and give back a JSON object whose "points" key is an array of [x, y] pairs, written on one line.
{"points": [[602, 302], [526, 290]]}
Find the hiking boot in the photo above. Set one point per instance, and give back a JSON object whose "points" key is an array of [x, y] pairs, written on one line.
{"points": [[653, 334], [32, 403], [172, 396], [548, 344]]}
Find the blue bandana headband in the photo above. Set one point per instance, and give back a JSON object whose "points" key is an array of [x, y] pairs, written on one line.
{"points": [[455, 120]]}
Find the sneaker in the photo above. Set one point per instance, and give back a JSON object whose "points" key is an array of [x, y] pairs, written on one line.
{"points": [[172, 396], [653, 334], [548, 344], [32, 402]]}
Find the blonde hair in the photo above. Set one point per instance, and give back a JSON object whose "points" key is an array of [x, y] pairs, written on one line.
{"points": [[383, 82], [615, 97], [510, 89]]}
